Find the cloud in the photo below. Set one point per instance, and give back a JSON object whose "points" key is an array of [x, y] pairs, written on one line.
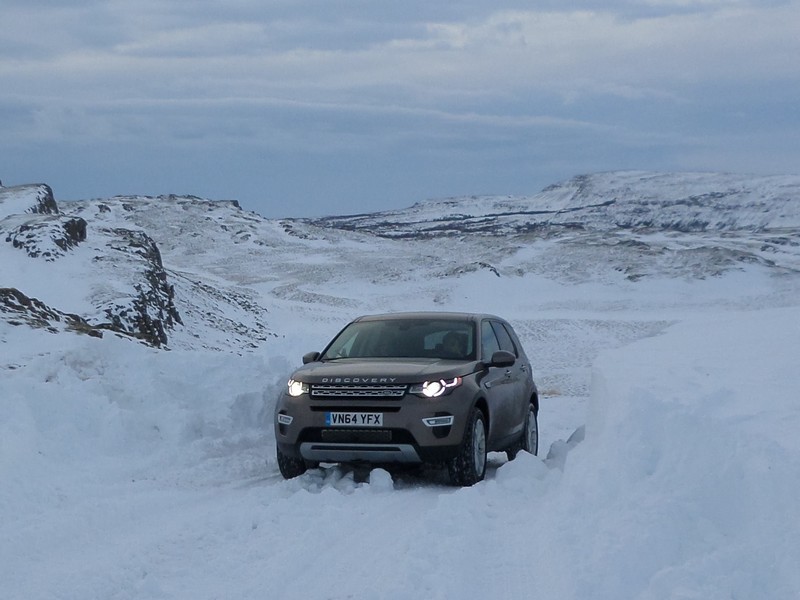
{"points": [[506, 53], [596, 80]]}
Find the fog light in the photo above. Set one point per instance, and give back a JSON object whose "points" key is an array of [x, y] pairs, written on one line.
{"points": [[285, 419], [439, 421]]}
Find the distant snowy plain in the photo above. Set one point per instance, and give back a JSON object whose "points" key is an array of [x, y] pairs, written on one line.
{"points": [[669, 459]]}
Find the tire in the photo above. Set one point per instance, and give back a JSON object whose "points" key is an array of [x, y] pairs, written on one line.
{"points": [[530, 436], [529, 441], [469, 466], [290, 467]]}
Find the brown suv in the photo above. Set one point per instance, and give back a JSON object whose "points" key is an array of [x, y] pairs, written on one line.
{"points": [[411, 388]]}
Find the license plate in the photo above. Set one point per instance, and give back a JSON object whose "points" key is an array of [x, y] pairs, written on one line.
{"points": [[353, 419]]}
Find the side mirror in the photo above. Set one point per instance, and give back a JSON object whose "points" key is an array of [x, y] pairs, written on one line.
{"points": [[503, 358], [310, 357]]}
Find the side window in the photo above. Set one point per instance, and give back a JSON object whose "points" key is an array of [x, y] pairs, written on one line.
{"points": [[506, 343], [489, 343]]}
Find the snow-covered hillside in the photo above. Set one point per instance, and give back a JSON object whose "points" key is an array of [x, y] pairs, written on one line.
{"points": [[186, 272], [681, 202], [136, 467]]}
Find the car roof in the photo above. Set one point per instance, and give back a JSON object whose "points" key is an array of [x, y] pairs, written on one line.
{"points": [[431, 315]]}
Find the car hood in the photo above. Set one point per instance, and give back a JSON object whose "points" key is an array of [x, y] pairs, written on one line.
{"points": [[377, 371]]}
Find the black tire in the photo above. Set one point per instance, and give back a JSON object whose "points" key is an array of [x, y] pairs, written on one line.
{"points": [[469, 466], [529, 440], [530, 436], [289, 466]]}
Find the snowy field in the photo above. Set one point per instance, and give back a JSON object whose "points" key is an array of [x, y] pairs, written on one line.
{"points": [[667, 360], [669, 467]]}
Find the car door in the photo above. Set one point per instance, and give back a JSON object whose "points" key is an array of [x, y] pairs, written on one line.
{"points": [[517, 376], [499, 389]]}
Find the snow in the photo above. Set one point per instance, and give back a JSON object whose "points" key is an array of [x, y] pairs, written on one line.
{"points": [[669, 461], [697, 201], [21, 199], [135, 473]]}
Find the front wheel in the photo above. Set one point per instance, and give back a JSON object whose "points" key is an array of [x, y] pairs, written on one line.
{"points": [[290, 467], [469, 466]]}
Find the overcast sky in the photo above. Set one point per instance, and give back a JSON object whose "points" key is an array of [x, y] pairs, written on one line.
{"points": [[317, 107]]}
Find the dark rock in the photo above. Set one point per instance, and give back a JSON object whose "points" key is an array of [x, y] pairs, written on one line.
{"points": [[76, 233], [19, 309], [150, 312], [27, 199], [46, 204], [48, 236]]}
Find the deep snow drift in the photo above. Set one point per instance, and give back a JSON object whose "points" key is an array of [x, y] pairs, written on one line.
{"points": [[129, 473], [669, 466]]}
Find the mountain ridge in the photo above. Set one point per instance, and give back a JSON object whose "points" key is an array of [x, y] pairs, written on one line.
{"points": [[184, 271], [636, 200]]}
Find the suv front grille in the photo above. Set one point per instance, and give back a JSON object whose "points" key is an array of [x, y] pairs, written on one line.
{"points": [[356, 436], [358, 391], [350, 436]]}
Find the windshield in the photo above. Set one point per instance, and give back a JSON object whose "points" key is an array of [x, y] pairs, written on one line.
{"points": [[405, 338]]}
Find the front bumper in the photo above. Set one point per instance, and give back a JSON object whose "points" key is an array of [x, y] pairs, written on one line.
{"points": [[414, 430], [373, 453]]}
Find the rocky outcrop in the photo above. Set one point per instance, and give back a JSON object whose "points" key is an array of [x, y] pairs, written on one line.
{"points": [[208, 250], [32, 199], [30, 221], [148, 311], [19, 309], [136, 298], [46, 236]]}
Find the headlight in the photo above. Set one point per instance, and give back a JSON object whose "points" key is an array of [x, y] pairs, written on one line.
{"points": [[297, 388], [434, 389]]}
